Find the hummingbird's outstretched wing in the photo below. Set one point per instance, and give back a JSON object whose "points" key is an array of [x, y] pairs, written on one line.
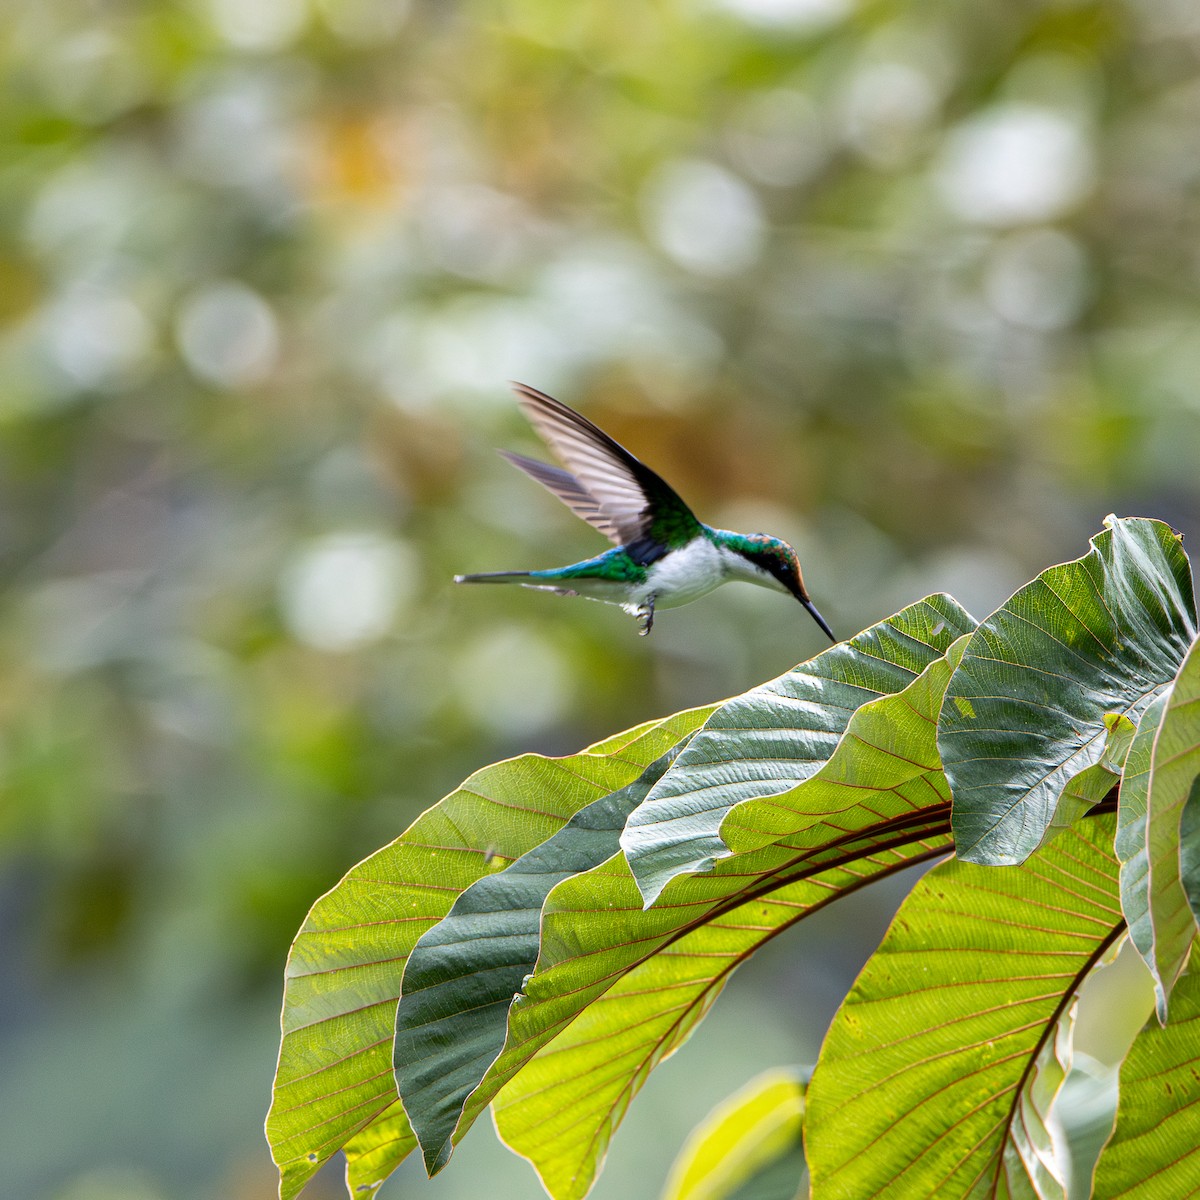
{"points": [[609, 489], [568, 489]]}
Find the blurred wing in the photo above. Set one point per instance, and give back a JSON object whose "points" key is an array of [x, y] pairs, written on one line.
{"points": [[569, 490], [634, 502]]}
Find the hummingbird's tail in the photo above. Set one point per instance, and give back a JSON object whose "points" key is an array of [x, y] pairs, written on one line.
{"points": [[494, 577], [529, 579]]}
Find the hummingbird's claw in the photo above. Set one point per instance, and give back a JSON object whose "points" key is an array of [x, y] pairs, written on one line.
{"points": [[646, 616]]}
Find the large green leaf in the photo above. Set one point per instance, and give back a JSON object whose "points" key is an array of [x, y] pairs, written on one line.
{"points": [[596, 937], [1154, 1151], [1082, 792], [1189, 854], [617, 986], [885, 764], [1025, 712], [928, 1081], [1173, 774], [1130, 840], [463, 973], [743, 1141], [776, 736], [334, 1077], [622, 988]]}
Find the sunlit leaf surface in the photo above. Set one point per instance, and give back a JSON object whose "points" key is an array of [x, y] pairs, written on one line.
{"points": [[1174, 773], [463, 973], [1026, 710], [624, 987], [741, 1140], [928, 1076], [618, 987], [343, 976], [776, 736], [886, 764], [1154, 1151]]}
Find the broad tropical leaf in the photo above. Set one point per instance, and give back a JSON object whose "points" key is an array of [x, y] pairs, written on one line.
{"points": [[617, 987], [1174, 770], [885, 764], [595, 937], [1189, 854], [463, 972], [590, 1028], [334, 1076], [1026, 710], [928, 1084], [744, 1142], [776, 736], [1130, 841], [1154, 1151], [1093, 784]]}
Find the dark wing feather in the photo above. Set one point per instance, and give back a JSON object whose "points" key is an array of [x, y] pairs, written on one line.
{"points": [[569, 490], [632, 499]]}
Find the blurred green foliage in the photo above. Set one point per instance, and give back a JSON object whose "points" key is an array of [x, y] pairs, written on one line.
{"points": [[913, 285]]}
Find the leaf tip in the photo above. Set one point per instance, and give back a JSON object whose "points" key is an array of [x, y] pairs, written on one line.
{"points": [[436, 1157]]}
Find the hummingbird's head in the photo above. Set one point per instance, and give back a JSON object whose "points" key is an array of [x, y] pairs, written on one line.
{"points": [[771, 562]]}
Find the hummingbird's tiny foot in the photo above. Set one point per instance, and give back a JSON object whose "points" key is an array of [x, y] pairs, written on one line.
{"points": [[646, 616]]}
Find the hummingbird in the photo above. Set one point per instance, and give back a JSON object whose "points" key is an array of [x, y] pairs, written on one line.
{"points": [[663, 556]]}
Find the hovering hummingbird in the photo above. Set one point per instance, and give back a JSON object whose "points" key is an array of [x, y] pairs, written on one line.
{"points": [[664, 556]]}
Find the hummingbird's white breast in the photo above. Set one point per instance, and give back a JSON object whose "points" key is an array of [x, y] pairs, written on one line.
{"points": [[692, 571]]}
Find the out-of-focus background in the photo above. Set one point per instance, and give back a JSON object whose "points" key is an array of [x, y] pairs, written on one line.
{"points": [[914, 285]]}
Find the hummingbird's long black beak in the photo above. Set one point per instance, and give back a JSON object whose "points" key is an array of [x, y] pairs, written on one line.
{"points": [[816, 616]]}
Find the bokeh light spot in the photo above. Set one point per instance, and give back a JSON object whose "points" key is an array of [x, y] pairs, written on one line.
{"points": [[704, 217], [228, 335], [777, 137], [1015, 164], [1037, 278], [97, 337], [344, 590], [886, 105], [258, 24], [514, 682]]}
